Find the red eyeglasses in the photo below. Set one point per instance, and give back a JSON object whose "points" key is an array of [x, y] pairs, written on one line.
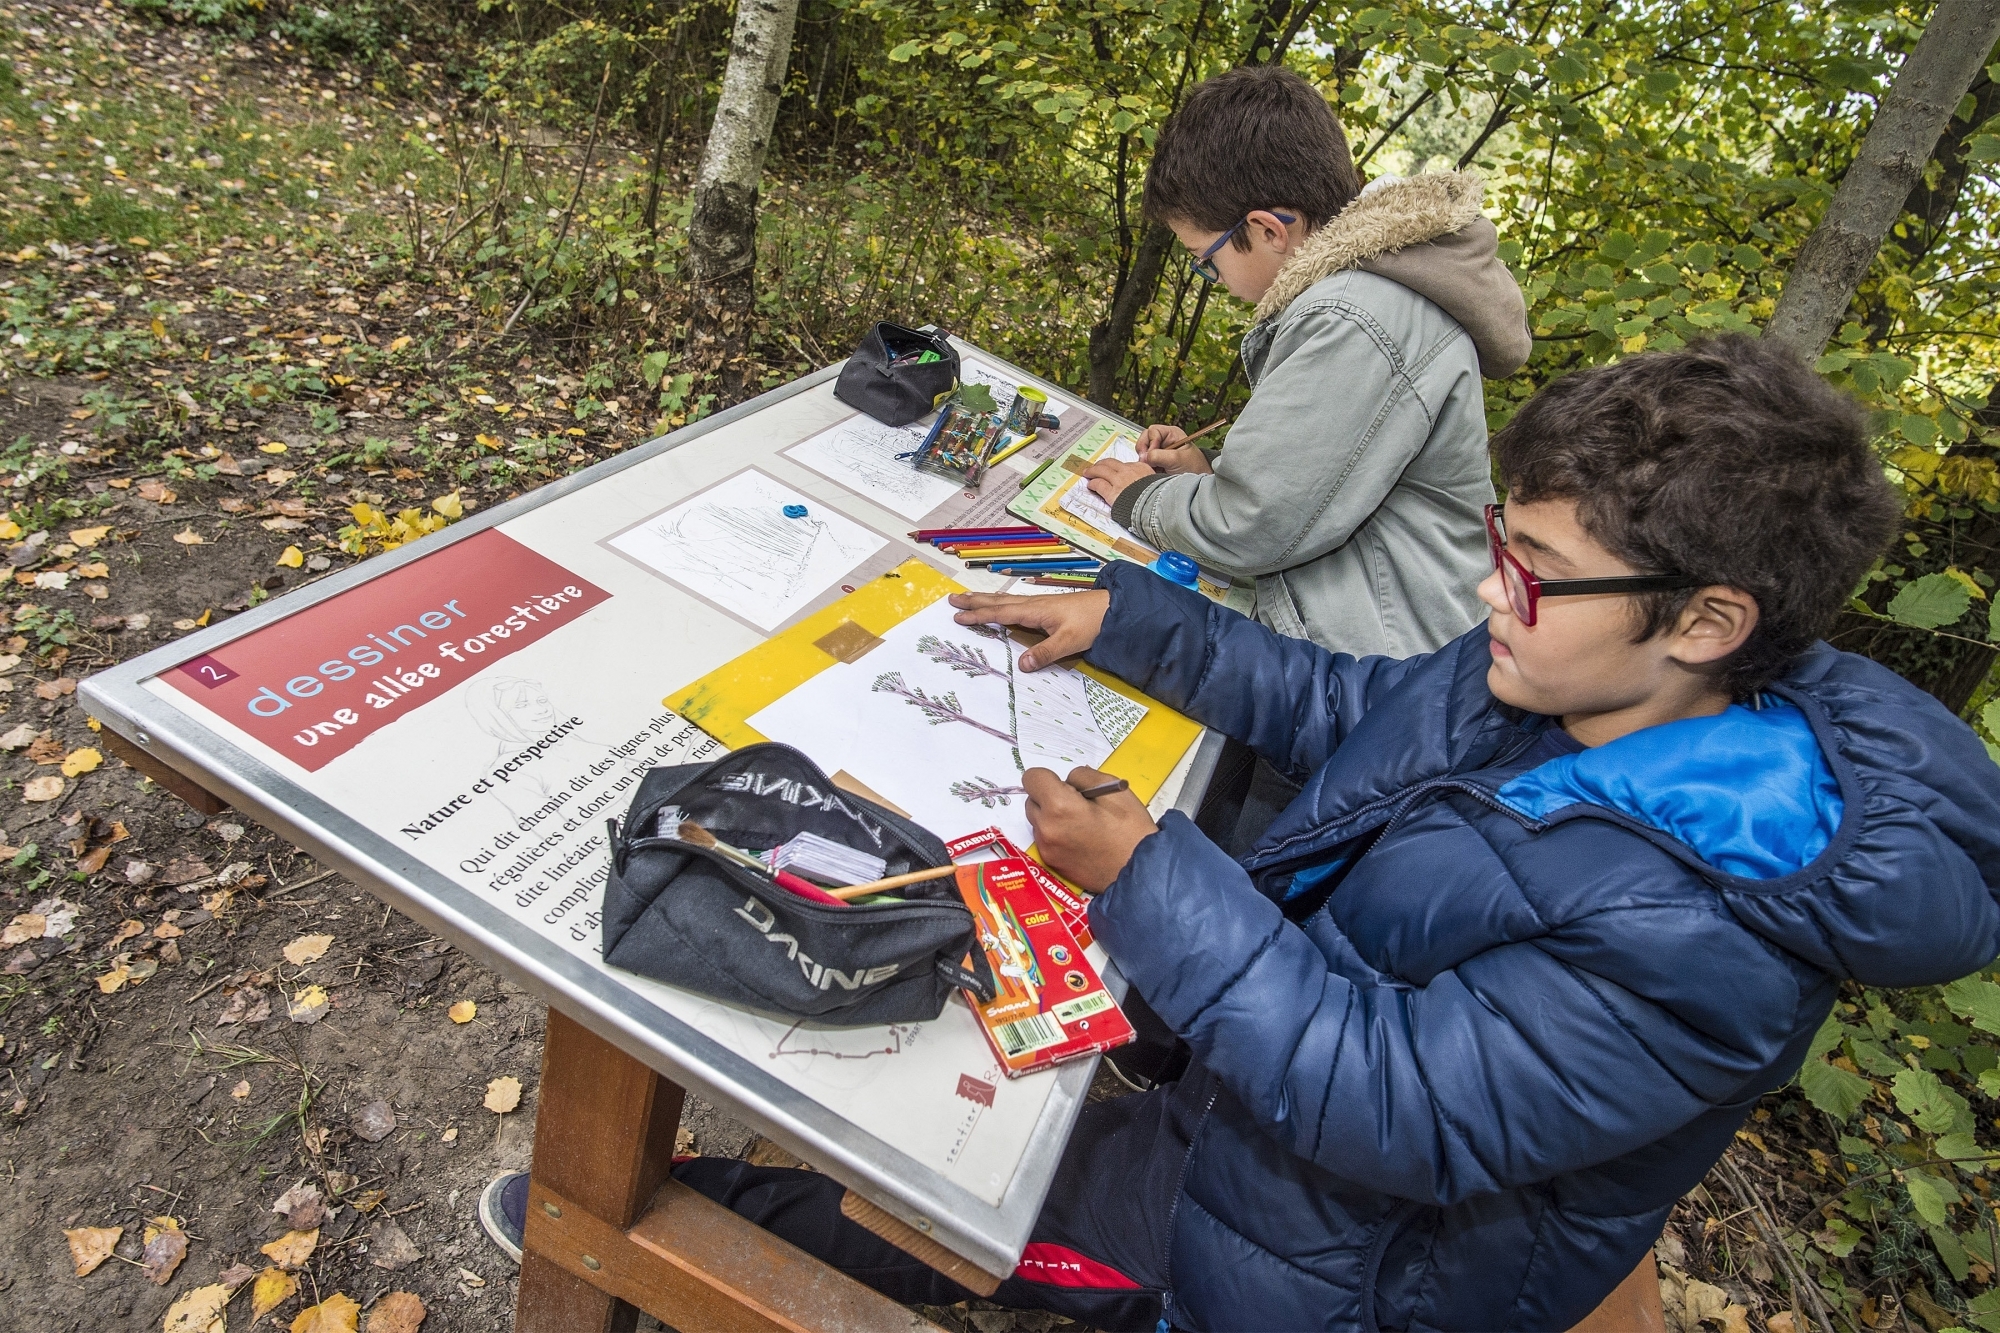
{"points": [[1525, 591]]}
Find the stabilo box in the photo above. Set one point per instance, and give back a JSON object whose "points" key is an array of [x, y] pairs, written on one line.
{"points": [[1049, 1005], [1075, 911]]}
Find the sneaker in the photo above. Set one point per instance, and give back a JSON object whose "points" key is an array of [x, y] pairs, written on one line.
{"points": [[503, 1211]]}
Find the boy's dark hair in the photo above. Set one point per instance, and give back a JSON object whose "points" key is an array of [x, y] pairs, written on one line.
{"points": [[1728, 460], [1255, 137]]}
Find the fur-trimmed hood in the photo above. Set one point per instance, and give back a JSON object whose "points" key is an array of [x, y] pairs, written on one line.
{"points": [[1428, 234]]}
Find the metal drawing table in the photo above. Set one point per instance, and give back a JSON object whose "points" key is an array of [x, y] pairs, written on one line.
{"points": [[452, 722]]}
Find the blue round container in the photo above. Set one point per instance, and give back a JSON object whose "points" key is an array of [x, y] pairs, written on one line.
{"points": [[1176, 568]]}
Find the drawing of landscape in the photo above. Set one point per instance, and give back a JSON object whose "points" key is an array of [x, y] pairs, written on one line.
{"points": [[733, 545], [862, 454], [940, 721]]}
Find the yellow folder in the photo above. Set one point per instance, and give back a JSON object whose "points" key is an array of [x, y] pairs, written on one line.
{"points": [[722, 702]]}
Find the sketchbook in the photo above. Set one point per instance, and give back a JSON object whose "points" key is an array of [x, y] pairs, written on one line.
{"points": [[930, 716], [1058, 499]]}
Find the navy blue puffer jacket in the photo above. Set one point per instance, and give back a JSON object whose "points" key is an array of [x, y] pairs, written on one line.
{"points": [[1464, 1029]]}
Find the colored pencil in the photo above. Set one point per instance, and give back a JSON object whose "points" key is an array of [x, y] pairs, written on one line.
{"points": [[1008, 530], [1103, 789], [1014, 448]]}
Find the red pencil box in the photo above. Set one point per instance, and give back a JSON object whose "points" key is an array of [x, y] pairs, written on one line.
{"points": [[1075, 911]]}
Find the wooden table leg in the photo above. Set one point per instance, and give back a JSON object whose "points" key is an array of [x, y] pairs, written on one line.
{"points": [[604, 1139]]}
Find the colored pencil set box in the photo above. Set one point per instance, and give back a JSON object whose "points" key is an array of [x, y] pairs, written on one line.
{"points": [[1075, 911], [1049, 1004]]}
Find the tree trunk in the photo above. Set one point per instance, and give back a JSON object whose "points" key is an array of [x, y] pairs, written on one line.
{"points": [[1111, 339], [1833, 260], [722, 233]]}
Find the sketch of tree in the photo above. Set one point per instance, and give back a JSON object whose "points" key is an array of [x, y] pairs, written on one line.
{"points": [[959, 657], [944, 708], [986, 791]]}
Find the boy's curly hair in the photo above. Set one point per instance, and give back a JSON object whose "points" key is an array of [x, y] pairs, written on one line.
{"points": [[1255, 137], [1728, 460]]}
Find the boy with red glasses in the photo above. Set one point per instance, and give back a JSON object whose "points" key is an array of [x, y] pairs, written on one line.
{"points": [[1557, 904]]}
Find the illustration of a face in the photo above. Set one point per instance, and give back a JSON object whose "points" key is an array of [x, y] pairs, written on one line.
{"points": [[525, 705]]}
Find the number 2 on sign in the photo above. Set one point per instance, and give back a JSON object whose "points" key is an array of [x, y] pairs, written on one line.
{"points": [[208, 671]]}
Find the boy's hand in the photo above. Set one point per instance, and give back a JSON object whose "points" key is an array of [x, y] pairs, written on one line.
{"points": [[1087, 842], [1071, 620], [1109, 477], [1160, 448]]}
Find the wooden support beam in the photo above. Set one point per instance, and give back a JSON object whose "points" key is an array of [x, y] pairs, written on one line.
{"points": [[604, 1140], [916, 1244], [169, 778], [1633, 1306]]}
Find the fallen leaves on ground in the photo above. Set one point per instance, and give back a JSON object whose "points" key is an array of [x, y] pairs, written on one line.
{"points": [[397, 1312], [463, 1012], [308, 1006], [114, 981], [189, 537], [247, 1006], [55, 689], [292, 1249], [242, 1089], [46, 750], [79, 762], [27, 926], [275, 446], [368, 1200], [374, 1122], [199, 1311], [274, 1287], [503, 1094], [336, 1314], [390, 1247], [48, 787], [301, 1206], [19, 737], [126, 930], [166, 1246], [291, 557], [91, 1246], [157, 491], [236, 1275], [88, 536], [58, 916], [307, 949]]}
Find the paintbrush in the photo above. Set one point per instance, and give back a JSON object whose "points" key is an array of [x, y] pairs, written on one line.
{"points": [[893, 882], [695, 835]]}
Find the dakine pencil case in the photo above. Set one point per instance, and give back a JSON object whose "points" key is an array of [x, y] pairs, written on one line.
{"points": [[692, 918], [898, 374]]}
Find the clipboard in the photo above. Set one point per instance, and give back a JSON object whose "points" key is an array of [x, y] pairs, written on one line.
{"points": [[722, 702], [1042, 503]]}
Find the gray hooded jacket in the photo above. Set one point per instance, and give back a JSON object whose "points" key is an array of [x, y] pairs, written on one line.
{"points": [[1352, 486]]}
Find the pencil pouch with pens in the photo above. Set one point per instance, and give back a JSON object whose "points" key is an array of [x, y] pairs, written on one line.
{"points": [[1049, 1005], [715, 916]]}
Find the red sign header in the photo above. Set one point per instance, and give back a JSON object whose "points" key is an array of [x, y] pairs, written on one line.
{"points": [[316, 684]]}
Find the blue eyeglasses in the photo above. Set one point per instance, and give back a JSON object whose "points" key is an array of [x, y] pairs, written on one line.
{"points": [[1204, 266]]}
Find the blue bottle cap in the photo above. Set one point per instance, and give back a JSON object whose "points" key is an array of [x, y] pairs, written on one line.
{"points": [[795, 511], [1176, 568]]}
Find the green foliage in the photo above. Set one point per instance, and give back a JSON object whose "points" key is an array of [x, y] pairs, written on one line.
{"points": [[1930, 601]]}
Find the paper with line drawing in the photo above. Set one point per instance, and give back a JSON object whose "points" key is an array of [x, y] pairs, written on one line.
{"points": [[734, 545], [873, 460], [941, 721]]}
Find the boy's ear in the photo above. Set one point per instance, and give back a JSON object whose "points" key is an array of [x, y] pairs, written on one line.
{"points": [[1267, 227], [1716, 622]]}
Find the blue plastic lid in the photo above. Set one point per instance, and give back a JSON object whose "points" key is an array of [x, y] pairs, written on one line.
{"points": [[795, 511], [1176, 568]]}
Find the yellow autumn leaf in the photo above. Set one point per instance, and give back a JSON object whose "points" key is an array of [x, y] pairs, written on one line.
{"points": [[274, 1287], [199, 1311], [79, 762], [88, 536], [1971, 586], [449, 505], [201, 621], [336, 1314], [398, 344], [503, 1094], [91, 1246], [93, 569], [274, 447], [159, 327], [9, 530], [188, 537], [307, 949], [462, 1012], [490, 441], [309, 1005], [292, 1249], [114, 980], [291, 557]]}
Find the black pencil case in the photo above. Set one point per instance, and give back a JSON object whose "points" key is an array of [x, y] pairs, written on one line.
{"points": [[887, 377]]}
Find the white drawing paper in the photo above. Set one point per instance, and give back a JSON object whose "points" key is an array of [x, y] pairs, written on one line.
{"points": [[871, 460], [940, 722], [1084, 503], [734, 545]]}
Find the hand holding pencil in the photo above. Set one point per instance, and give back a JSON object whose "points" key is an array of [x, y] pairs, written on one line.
{"points": [[1084, 833], [1171, 449]]}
